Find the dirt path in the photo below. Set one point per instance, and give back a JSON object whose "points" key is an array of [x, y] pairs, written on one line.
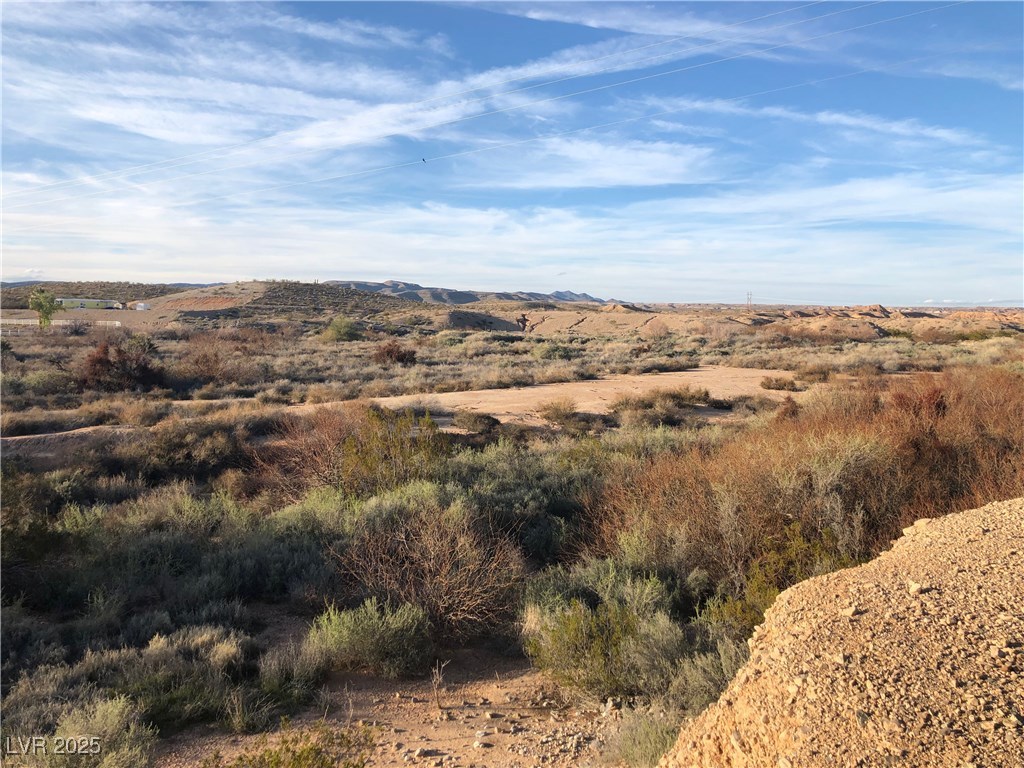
{"points": [[495, 712], [915, 659], [597, 395], [51, 449]]}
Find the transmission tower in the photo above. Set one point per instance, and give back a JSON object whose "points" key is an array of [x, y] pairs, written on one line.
{"points": [[750, 301]]}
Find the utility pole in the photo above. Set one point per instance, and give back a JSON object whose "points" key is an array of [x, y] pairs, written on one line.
{"points": [[750, 301]]}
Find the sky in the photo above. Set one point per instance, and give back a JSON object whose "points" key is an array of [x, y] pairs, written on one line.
{"points": [[812, 152]]}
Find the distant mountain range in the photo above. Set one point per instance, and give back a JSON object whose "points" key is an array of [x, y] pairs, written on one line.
{"points": [[15, 293], [414, 292]]}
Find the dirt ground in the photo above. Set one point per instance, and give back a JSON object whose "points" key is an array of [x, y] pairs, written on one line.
{"points": [[519, 405], [495, 712], [915, 659], [595, 396]]}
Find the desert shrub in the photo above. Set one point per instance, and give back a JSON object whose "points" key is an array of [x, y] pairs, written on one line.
{"points": [[124, 740], [472, 421], [321, 746], [123, 365], [46, 383], [76, 327], [607, 650], [342, 329], [196, 448], [428, 547], [391, 352], [602, 630], [392, 642], [26, 642], [814, 373], [178, 679], [292, 673], [669, 407], [642, 738], [560, 411], [549, 350], [530, 493], [781, 383], [356, 449], [850, 468], [700, 678]]}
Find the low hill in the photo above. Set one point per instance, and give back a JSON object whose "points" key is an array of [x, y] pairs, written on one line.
{"points": [[15, 295], [288, 299], [414, 292], [914, 659]]}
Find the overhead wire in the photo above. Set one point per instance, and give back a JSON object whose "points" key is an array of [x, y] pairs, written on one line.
{"points": [[548, 99]]}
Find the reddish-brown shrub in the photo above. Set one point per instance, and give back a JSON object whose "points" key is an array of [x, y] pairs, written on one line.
{"points": [[393, 352], [121, 365], [850, 468]]}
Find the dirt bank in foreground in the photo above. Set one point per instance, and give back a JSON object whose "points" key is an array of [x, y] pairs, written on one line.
{"points": [[914, 659]]}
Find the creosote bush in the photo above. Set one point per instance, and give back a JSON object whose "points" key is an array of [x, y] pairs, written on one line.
{"points": [[342, 329]]}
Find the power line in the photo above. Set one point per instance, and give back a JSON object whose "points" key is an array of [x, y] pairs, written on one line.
{"points": [[532, 103], [149, 167]]}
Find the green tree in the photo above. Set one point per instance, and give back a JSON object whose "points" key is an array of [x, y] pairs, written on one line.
{"points": [[45, 304]]}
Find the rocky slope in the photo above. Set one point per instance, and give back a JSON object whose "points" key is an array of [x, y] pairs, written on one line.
{"points": [[914, 659]]}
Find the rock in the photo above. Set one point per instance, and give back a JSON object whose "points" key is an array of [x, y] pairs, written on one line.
{"points": [[921, 683]]}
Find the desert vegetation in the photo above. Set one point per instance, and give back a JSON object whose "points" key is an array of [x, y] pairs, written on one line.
{"points": [[223, 563]]}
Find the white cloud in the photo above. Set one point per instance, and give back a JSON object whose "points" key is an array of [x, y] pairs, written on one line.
{"points": [[566, 163], [874, 124]]}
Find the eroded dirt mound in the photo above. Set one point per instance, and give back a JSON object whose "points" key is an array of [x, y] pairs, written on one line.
{"points": [[914, 659]]}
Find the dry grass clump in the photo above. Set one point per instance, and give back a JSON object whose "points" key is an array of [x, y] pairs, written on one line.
{"points": [[783, 383], [391, 642], [472, 421], [559, 411], [321, 746], [669, 407]]}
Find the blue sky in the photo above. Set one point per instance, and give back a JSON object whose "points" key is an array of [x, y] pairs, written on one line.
{"points": [[815, 152]]}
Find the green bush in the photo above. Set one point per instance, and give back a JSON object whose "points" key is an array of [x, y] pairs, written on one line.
{"points": [[549, 350], [392, 642], [702, 677], [342, 329], [603, 631], [124, 741]]}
